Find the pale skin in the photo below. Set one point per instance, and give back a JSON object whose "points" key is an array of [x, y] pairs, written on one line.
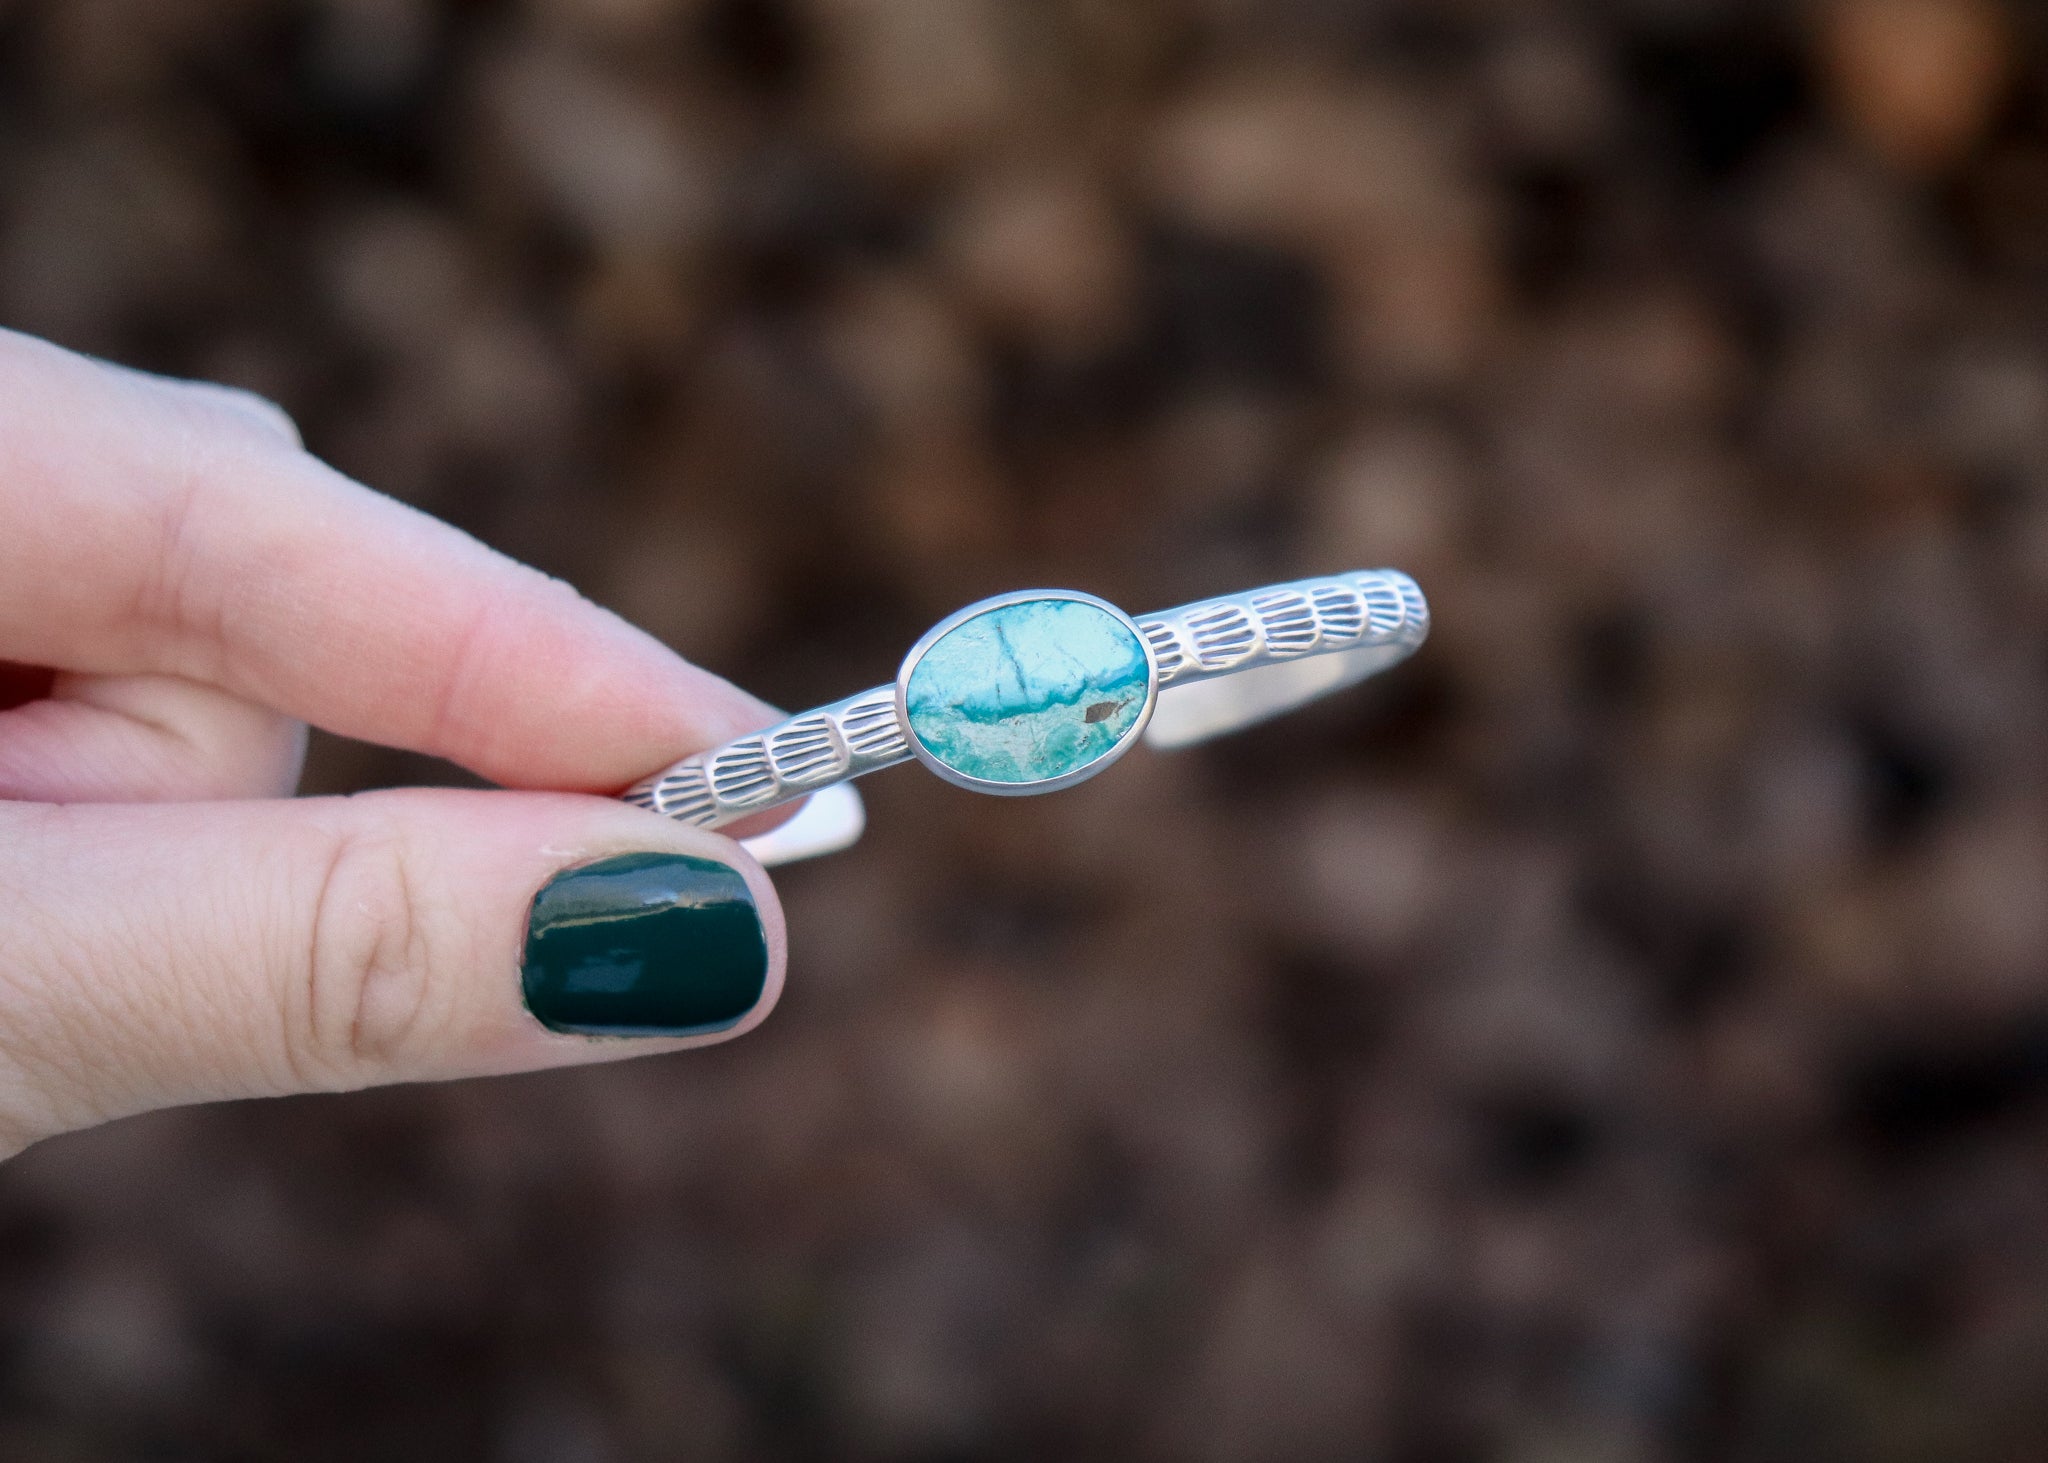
{"points": [[174, 926]]}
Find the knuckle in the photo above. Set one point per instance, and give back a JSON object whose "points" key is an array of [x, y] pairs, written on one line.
{"points": [[370, 967], [215, 434], [229, 414], [246, 409]]}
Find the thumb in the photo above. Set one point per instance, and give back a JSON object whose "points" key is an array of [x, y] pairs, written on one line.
{"points": [[156, 955]]}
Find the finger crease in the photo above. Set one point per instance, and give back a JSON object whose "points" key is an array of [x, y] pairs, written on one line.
{"points": [[167, 596], [323, 897], [455, 681]]}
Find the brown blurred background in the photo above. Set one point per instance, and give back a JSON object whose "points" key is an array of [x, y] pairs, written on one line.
{"points": [[1621, 1034]]}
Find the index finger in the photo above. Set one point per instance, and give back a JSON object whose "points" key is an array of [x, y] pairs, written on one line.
{"points": [[146, 526]]}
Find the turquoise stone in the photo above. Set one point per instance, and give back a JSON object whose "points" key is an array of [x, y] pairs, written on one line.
{"points": [[1029, 691]]}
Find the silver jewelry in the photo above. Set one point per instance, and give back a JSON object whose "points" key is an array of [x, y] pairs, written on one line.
{"points": [[1035, 691]]}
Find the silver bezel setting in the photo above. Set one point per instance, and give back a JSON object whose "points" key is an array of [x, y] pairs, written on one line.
{"points": [[960, 617]]}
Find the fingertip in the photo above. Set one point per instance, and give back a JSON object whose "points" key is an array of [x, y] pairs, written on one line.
{"points": [[246, 405]]}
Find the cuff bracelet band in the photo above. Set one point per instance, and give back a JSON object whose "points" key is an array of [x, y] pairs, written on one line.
{"points": [[1035, 691]]}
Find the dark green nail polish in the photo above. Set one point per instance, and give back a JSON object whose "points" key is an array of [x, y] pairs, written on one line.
{"points": [[647, 944]]}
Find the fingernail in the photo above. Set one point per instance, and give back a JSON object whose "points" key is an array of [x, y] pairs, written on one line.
{"points": [[646, 944]]}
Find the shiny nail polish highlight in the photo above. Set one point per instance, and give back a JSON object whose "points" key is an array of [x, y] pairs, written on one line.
{"points": [[645, 944]]}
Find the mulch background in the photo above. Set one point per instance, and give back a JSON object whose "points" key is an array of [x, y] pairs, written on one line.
{"points": [[1620, 1035]]}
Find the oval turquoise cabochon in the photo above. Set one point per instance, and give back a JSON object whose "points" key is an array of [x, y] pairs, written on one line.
{"points": [[1028, 691]]}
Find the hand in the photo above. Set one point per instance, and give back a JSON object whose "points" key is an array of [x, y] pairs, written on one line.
{"points": [[172, 929]]}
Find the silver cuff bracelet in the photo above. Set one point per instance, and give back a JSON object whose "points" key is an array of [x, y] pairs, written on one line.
{"points": [[1035, 691]]}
